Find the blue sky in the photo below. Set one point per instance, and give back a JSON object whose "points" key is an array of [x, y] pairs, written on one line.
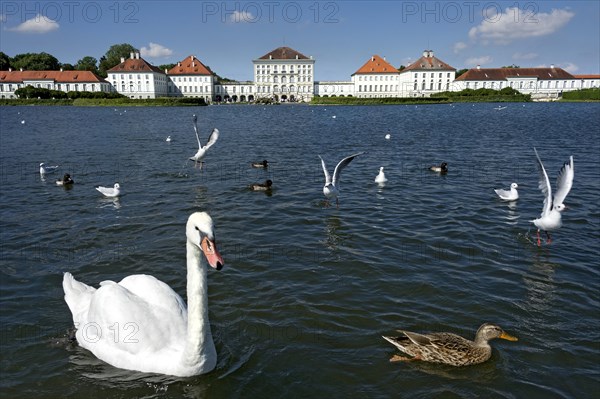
{"points": [[340, 35]]}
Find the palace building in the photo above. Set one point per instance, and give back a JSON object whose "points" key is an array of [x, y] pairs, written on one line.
{"points": [[286, 75]]}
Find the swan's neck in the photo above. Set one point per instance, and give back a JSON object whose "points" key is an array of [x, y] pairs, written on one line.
{"points": [[199, 344]]}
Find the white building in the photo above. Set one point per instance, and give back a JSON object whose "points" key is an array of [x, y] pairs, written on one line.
{"points": [[53, 80], [541, 83], [426, 76], [334, 88], [190, 78], [136, 78], [376, 78], [234, 92], [588, 81], [284, 74]]}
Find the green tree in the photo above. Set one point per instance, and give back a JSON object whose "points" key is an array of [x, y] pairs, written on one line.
{"points": [[67, 67], [460, 72], [402, 67], [87, 64], [113, 57], [35, 62], [166, 66], [511, 66], [4, 62]]}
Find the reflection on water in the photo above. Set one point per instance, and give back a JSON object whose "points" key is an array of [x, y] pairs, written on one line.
{"points": [[109, 203], [333, 225], [512, 216]]}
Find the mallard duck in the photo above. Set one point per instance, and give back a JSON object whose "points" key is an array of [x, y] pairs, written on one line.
{"points": [[443, 168], [267, 185], [263, 164], [448, 348]]}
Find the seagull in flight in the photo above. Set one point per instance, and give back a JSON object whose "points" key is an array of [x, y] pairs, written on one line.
{"points": [[330, 189], [550, 219], [212, 139]]}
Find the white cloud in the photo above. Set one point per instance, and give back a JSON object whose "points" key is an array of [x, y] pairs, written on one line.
{"points": [[524, 56], [459, 46], [486, 59], [514, 24], [242, 16], [155, 51], [37, 24], [569, 67]]}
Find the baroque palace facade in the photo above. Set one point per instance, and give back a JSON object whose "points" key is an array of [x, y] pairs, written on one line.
{"points": [[286, 75]]}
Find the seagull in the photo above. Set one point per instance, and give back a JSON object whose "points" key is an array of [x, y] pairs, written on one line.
{"points": [[381, 179], [550, 218], [508, 195], [443, 168], [168, 139], [47, 169], [110, 192], [330, 189], [212, 139], [388, 136]]}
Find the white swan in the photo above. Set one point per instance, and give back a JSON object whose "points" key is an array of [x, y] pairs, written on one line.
{"points": [[508, 195], [110, 192], [381, 179], [141, 324], [550, 218], [330, 189], [212, 139]]}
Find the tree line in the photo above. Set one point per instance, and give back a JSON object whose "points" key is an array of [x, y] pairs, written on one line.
{"points": [[47, 62]]}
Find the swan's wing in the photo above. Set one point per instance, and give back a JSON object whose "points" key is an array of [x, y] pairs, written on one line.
{"points": [[327, 177], [195, 118], [544, 185], [214, 136], [341, 165], [564, 181]]}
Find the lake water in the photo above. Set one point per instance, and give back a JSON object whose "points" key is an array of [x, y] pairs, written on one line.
{"points": [[307, 290]]}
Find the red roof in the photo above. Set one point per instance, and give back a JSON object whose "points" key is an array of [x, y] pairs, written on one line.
{"points": [[376, 64], [56, 76], [135, 65], [428, 62], [587, 76], [504, 73], [284, 53], [190, 66]]}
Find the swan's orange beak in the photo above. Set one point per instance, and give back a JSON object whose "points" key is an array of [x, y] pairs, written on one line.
{"points": [[212, 255]]}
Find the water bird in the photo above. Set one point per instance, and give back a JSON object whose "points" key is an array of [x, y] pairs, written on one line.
{"points": [[330, 189], [23, 122], [263, 164], [110, 192], [388, 136], [550, 219], [499, 108], [381, 179], [333, 116], [267, 185], [141, 324], [47, 169], [448, 348], [212, 139], [168, 139], [508, 195], [443, 168], [65, 181]]}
